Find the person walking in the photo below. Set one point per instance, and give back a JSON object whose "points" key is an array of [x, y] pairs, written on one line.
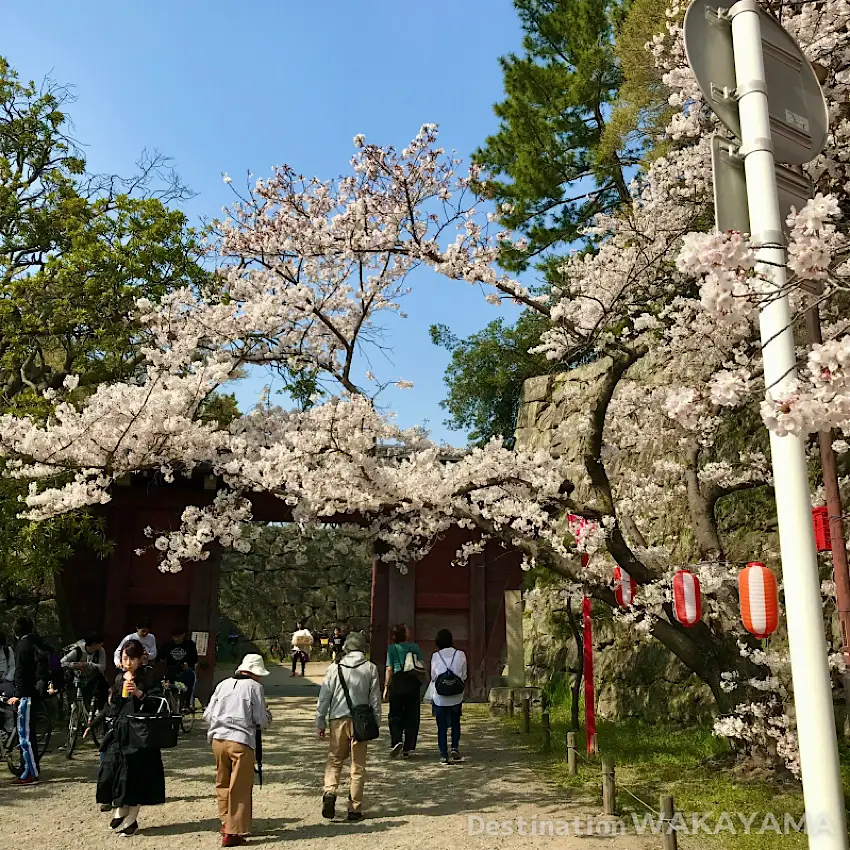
{"points": [[29, 685], [234, 716], [129, 776], [143, 636], [302, 643], [334, 722], [336, 643], [448, 675], [403, 684]]}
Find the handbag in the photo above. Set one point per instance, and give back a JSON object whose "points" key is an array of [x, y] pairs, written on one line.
{"points": [[413, 665], [153, 730], [362, 717], [448, 683]]}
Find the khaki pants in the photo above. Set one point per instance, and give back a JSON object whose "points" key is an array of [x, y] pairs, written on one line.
{"points": [[234, 782], [342, 747]]}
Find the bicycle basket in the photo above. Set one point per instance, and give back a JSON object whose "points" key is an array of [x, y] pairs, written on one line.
{"points": [[154, 730]]}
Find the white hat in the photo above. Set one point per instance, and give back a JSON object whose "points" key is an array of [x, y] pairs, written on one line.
{"points": [[254, 665]]}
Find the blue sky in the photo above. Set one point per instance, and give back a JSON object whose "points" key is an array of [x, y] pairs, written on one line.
{"points": [[232, 87]]}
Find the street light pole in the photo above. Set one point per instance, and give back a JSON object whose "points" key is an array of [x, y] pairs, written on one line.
{"points": [[822, 791]]}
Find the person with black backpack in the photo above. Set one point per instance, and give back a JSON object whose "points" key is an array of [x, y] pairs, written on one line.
{"points": [[448, 676], [349, 714]]}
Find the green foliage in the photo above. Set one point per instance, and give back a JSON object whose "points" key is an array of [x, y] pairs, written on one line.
{"points": [[486, 374], [76, 251], [641, 108], [545, 160], [219, 408], [688, 763]]}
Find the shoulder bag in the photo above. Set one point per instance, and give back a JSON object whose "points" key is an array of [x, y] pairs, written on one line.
{"points": [[362, 717]]}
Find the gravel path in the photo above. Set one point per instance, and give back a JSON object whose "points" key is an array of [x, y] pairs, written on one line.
{"points": [[409, 804]]}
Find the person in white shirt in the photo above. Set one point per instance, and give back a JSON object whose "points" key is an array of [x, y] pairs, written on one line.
{"points": [[302, 643], [364, 688], [234, 715], [144, 636], [7, 662], [448, 676]]}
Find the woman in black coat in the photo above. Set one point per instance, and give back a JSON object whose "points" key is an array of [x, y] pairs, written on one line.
{"points": [[129, 777]]}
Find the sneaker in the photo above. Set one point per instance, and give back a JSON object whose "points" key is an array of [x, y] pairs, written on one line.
{"points": [[354, 817], [292, 674], [228, 840], [456, 756], [396, 749], [31, 780], [130, 830], [328, 806], [444, 762], [406, 754]]}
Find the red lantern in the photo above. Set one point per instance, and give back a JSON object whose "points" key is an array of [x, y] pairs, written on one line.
{"points": [[625, 588], [823, 539], [759, 599], [687, 598]]}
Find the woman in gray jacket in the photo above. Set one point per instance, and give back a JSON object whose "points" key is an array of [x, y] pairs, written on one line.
{"points": [[333, 721]]}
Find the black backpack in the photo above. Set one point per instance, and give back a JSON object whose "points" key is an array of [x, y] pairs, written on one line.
{"points": [[448, 683]]}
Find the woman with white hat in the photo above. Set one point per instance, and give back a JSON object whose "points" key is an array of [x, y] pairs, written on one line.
{"points": [[235, 712]]}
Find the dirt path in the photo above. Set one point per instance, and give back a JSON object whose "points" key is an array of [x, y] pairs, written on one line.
{"points": [[409, 804]]}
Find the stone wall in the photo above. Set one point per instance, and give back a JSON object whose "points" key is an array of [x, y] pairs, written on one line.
{"points": [[633, 679], [324, 579]]}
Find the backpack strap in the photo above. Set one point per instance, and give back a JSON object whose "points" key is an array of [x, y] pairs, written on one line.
{"points": [[345, 688]]}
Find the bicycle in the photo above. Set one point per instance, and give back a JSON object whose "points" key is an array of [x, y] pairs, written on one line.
{"points": [[173, 692], [42, 728], [80, 716]]}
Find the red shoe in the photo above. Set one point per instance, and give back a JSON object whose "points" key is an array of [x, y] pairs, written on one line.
{"points": [[292, 674], [222, 830], [228, 840], [32, 780]]}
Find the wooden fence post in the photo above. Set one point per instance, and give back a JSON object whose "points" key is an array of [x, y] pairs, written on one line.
{"points": [[572, 761], [511, 704], [609, 788], [669, 835], [526, 714], [547, 732]]}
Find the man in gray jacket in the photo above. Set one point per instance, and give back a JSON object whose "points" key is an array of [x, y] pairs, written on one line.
{"points": [[333, 720]]}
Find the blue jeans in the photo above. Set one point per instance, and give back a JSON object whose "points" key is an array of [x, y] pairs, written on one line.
{"points": [[448, 717]]}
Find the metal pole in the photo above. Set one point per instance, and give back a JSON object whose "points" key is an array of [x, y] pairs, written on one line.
{"points": [[841, 573], [822, 791]]}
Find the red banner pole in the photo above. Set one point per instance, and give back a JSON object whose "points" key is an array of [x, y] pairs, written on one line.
{"points": [[587, 643]]}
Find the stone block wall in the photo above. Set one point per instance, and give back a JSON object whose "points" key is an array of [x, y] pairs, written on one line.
{"points": [[325, 581]]}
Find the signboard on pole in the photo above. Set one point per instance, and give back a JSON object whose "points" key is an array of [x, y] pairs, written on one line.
{"points": [[798, 113], [201, 641], [730, 189]]}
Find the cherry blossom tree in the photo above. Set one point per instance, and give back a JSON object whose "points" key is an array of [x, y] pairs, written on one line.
{"points": [[306, 270]]}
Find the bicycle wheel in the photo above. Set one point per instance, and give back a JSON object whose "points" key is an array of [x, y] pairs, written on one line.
{"points": [[74, 720], [187, 720], [42, 731]]}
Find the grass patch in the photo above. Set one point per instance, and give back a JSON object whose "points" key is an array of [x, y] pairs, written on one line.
{"points": [[687, 763]]}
